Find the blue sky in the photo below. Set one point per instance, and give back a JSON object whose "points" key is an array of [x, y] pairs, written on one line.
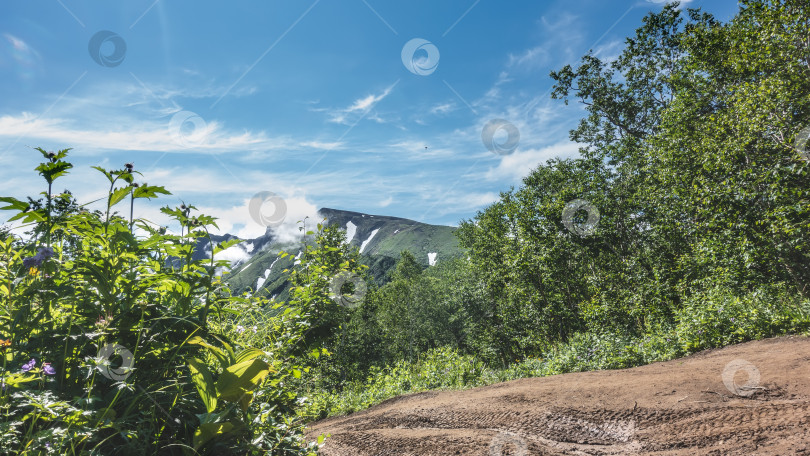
{"points": [[311, 100]]}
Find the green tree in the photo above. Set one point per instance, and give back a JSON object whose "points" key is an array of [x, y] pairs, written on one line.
{"points": [[688, 157], [323, 262], [725, 149]]}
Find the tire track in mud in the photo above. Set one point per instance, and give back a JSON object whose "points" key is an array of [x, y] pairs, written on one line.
{"points": [[680, 407]]}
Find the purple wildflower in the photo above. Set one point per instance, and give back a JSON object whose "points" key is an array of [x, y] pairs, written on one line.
{"points": [[31, 262], [43, 254], [48, 369], [29, 365]]}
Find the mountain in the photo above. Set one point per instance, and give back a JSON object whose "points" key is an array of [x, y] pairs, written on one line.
{"points": [[256, 265]]}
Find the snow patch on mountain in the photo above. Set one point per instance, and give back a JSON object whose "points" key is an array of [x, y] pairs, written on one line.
{"points": [[365, 243], [351, 229], [271, 266], [261, 279]]}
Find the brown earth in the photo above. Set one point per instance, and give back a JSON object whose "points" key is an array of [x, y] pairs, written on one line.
{"points": [[679, 407]]}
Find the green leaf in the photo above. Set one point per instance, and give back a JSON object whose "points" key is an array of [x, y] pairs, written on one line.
{"points": [[105, 172], [57, 155], [225, 245], [20, 206], [216, 351], [15, 380], [231, 354], [53, 170], [248, 354], [208, 431], [150, 191], [241, 378], [13, 203], [119, 194], [244, 401], [201, 377]]}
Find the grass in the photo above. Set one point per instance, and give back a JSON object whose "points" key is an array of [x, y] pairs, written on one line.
{"points": [[712, 319]]}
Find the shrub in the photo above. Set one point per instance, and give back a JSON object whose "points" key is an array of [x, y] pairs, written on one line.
{"points": [[718, 317], [110, 338]]}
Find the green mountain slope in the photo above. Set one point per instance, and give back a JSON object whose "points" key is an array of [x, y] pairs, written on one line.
{"points": [[258, 267]]}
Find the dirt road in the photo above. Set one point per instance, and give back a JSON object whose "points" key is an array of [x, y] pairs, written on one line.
{"points": [[747, 399]]}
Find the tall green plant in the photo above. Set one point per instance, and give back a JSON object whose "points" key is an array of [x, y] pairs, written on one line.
{"points": [[104, 343]]}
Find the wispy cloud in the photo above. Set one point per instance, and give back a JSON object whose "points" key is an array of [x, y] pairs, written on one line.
{"points": [[523, 161], [609, 51], [323, 145], [145, 117], [26, 59], [534, 57], [443, 108], [21, 47], [423, 150], [561, 36], [136, 134], [358, 108]]}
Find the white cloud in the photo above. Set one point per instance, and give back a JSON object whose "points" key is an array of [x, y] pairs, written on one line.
{"points": [[521, 162], [537, 56], [141, 134], [359, 107], [460, 202], [24, 51], [423, 150], [610, 51], [237, 220], [235, 254], [368, 102], [94, 121], [560, 23], [443, 108], [322, 145], [197, 91]]}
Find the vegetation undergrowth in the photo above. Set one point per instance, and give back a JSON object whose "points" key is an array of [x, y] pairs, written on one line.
{"points": [[683, 224], [115, 341], [720, 320]]}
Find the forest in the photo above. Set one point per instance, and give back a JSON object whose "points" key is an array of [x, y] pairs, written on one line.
{"points": [[683, 224]]}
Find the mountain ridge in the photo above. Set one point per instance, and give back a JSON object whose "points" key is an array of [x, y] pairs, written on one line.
{"points": [[257, 266]]}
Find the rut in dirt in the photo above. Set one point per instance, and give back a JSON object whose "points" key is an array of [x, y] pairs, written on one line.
{"points": [[747, 399]]}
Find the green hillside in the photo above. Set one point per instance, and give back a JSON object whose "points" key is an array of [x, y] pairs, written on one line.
{"points": [[379, 238]]}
